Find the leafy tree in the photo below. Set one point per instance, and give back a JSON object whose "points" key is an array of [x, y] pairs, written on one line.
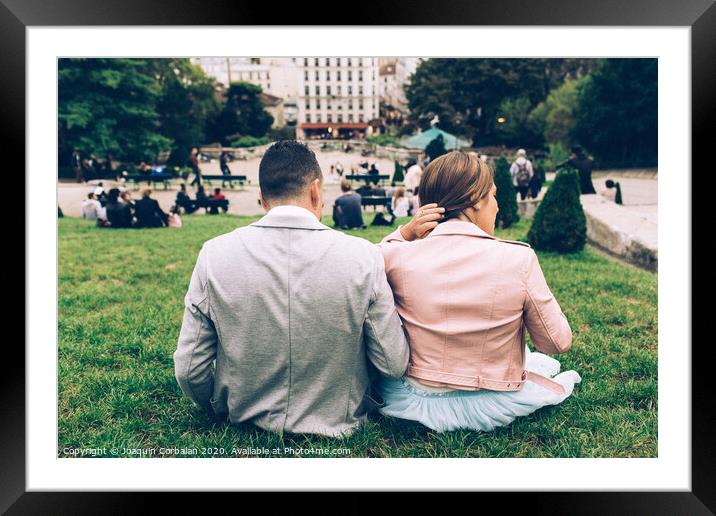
{"points": [[109, 106], [515, 129], [466, 93], [436, 147], [187, 104], [616, 113], [554, 119], [508, 213], [559, 224], [242, 114]]}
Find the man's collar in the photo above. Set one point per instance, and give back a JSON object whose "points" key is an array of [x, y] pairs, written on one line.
{"points": [[288, 216], [459, 227]]}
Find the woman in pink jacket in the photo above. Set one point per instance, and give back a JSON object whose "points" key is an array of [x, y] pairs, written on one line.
{"points": [[465, 298]]}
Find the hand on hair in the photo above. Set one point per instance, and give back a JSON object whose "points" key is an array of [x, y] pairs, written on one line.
{"points": [[423, 222]]}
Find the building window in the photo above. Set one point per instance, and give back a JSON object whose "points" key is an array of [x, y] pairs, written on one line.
{"points": [[305, 61], [329, 118], [349, 61], [318, 118], [350, 75], [308, 117], [360, 118], [339, 91], [350, 90], [318, 103], [360, 75], [308, 104], [340, 118], [328, 75], [305, 75], [360, 90], [318, 90], [307, 90], [328, 90], [360, 61], [350, 118], [360, 106], [268, 85], [317, 75], [340, 106], [338, 75], [350, 104]]}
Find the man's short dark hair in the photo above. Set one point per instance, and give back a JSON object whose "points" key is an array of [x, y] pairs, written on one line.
{"points": [[286, 169]]}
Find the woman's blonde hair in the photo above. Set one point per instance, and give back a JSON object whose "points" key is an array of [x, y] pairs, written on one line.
{"points": [[455, 181]]}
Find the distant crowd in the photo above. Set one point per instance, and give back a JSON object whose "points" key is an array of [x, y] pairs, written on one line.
{"points": [[117, 209]]}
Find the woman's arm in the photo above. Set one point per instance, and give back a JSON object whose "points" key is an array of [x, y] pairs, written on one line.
{"points": [[547, 325]]}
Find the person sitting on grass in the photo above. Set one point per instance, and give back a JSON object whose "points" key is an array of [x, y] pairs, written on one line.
{"points": [[218, 201], [347, 212], [202, 201], [297, 316], [400, 204], [173, 219], [119, 214], [148, 212], [91, 208], [183, 201], [465, 298]]}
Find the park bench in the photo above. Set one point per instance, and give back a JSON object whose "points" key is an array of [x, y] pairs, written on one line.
{"points": [[375, 200], [368, 178], [152, 179], [230, 179]]}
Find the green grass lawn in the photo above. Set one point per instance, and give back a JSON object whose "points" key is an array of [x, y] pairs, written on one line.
{"points": [[120, 310]]}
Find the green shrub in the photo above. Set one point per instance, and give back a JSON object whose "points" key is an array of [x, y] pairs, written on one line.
{"points": [[398, 175], [250, 141], [559, 224], [436, 147], [506, 195], [388, 140]]}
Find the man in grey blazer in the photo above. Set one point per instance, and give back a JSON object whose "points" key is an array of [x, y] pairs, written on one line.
{"points": [[285, 317]]}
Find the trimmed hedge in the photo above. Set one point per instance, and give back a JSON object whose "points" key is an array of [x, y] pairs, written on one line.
{"points": [[506, 195], [559, 224]]}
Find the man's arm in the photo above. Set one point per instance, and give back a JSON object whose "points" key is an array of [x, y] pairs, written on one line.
{"points": [[385, 340], [196, 350]]}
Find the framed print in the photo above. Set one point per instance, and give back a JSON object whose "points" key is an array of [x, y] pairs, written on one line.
{"points": [[171, 358]]}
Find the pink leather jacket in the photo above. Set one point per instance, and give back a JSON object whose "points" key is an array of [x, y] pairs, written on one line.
{"points": [[465, 298]]}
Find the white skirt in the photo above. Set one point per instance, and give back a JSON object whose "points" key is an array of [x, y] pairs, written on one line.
{"points": [[482, 410]]}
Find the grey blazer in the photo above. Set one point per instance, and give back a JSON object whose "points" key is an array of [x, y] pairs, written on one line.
{"points": [[280, 322]]}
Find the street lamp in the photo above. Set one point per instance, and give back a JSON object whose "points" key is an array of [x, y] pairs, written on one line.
{"points": [[501, 120]]}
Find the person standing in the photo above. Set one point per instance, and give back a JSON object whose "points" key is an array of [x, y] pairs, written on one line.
{"points": [[412, 176], [522, 172], [194, 165], [584, 165], [224, 166], [76, 162]]}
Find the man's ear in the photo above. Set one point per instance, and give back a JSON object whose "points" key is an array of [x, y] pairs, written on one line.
{"points": [[316, 193], [264, 205]]}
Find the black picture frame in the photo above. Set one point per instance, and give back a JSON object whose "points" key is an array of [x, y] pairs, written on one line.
{"points": [[699, 15]]}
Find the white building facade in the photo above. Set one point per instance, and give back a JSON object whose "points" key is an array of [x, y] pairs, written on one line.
{"points": [[338, 96]]}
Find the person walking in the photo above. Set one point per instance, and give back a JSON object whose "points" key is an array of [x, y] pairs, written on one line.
{"points": [[194, 165], [522, 172]]}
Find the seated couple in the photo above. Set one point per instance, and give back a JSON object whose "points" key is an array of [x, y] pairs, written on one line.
{"points": [[299, 328]]}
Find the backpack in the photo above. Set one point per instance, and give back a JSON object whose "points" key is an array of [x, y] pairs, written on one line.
{"points": [[523, 175]]}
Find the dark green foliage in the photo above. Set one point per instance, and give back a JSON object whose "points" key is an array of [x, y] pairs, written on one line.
{"points": [[616, 115], [398, 173], [242, 115], [506, 195], [559, 224], [109, 106], [436, 147], [467, 93]]}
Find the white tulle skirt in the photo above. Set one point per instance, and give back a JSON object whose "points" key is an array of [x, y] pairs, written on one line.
{"points": [[481, 410]]}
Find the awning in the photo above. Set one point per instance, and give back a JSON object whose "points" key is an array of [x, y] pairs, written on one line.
{"points": [[334, 126]]}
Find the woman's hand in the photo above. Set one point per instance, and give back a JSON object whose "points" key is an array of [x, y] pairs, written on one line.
{"points": [[423, 222]]}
